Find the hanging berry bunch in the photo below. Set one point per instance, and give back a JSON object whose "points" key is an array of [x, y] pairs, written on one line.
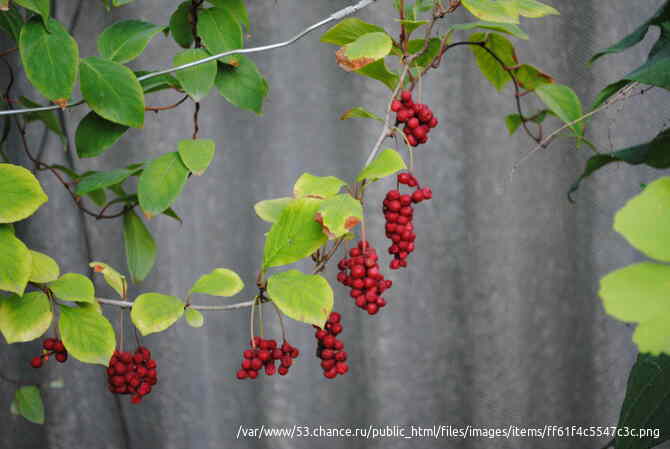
{"points": [[330, 349], [132, 374], [418, 118], [399, 212], [50, 346], [361, 272], [265, 353]]}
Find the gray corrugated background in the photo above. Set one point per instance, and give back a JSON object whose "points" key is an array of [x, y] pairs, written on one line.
{"points": [[497, 322]]}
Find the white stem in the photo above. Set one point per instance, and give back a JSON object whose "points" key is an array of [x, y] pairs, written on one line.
{"points": [[239, 305]]}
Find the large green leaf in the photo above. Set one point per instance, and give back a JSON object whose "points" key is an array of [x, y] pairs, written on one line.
{"points": [[493, 10], [339, 215], [95, 135], [242, 85], [380, 72], [180, 25], [385, 164], [317, 186], [87, 334], [73, 287], [562, 101], [647, 403], [11, 22], [219, 30], [363, 51], [197, 154], [50, 59], [236, 7], [197, 81], [28, 403], [102, 180], [271, 210], [126, 40], [645, 220], [508, 28], [140, 246], [489, 66], [303, 297], [154, 312], [655, 153], [161, 183], [638, 293], [295, 235], [44, 268], [112, 91], [348, 31], [20, 193], [25, 318], [220, 282], [15, 262], [113, 278], [535, 9]]}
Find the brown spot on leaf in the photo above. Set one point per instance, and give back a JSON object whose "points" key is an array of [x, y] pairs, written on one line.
{"points": [[148, 215], [350, 222], [351, 65], [98, 268], [319, 219], [61, 102]]}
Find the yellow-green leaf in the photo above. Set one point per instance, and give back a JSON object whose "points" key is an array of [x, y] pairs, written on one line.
{"points": [[271, 210], [20, 193], [321, 187], [15, 262], [155, 312], [363, 51], [220, 282], [339, 215], [73, 287], [44, 268], [87, 335], [303, 297], [385, 164], [113, 278], [25, 318]]}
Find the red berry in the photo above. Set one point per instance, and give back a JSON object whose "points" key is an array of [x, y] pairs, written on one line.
{"points": [[396, 105], [36, 362], [417, 196], [49, 344], [61, 357], [406, 96], [59, 346]]}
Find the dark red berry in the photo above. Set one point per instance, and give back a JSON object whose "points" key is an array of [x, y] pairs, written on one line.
{"points": [[36, 362]]}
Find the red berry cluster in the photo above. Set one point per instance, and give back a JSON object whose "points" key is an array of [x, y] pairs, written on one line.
{"points": [[399, 212], [331, 350], [51, 346], [132, 373], [417, 117], [361, 273], [264, 353]]}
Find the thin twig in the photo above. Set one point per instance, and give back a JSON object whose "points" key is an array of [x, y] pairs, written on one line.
{"points": [[128, 304], [168, 107]]}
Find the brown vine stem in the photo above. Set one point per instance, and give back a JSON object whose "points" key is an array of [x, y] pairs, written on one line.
{"points": [[623, 94], [168, 107]]}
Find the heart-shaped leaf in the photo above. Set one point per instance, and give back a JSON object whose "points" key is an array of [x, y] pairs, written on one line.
{"points": [[20, 193], [73, 287], [220, 282], [25, 318], [154, 312], [87, 334], [303, 297]]}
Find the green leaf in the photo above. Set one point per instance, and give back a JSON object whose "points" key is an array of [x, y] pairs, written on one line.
{"points": [[535, 9], [25, 318], [95, 135], [364, 50], [645, 220], [303, 297], [73, 287], [44, 268], [126, 40], [339, 215], [513, 122], [15, 262], [219, 30], [379, 71], [157, 83], [197, 154], [86, 334], [271, 210], [236, 7], [412, 25], [647, 402], [140, 246], [493, 11], [101, 180], [488, 65], [20, 193], [154, 312], [564, 103], [653, 154], [530, 78], [112, 91], [47, 117], [41, 7], [317, 186], [194, 318], [427, 58], [295, 235], [113, 278], [180, 25], [220, 282], [242, 86], [28, 403], [638, 293], [50, 59], [161, 183], [197, 81], [385, 164], [507, 28], [348, 31], [11, 22], [359, 112]]}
